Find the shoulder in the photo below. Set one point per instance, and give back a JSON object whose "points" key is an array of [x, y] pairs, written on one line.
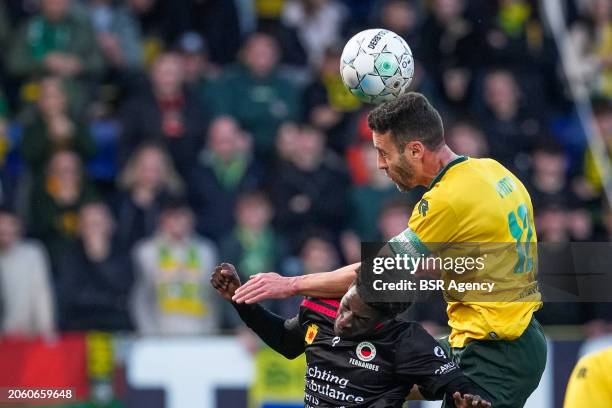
{"points": [[320, 307]]}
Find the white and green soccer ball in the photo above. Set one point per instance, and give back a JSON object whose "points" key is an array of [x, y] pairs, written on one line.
{"points": [[376, 65]]}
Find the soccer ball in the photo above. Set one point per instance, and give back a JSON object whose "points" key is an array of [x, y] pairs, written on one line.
{"points": [[376, 65]]}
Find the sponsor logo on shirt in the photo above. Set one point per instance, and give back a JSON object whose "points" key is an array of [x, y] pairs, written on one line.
{"points": [[446, 368], [311, 333], [366, 351]]}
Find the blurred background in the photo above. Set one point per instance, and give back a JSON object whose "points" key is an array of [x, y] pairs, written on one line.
{"points": [[144, 141]]}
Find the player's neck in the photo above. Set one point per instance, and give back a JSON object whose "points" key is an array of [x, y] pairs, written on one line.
{"points": [[439, 160]]}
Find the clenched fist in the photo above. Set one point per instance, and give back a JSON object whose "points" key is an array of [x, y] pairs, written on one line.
{"points": [[225, 280]]}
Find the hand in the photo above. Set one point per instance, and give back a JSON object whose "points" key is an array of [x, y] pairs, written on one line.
{"points": [[225, 280], [469, 400], [264, 286]]}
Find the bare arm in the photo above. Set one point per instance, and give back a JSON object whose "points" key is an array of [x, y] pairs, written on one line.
{"points": [[273, 286]]}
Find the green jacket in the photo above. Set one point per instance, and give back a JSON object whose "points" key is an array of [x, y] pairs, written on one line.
{"points": [[37, 38], [37, 147], [259, 104]]}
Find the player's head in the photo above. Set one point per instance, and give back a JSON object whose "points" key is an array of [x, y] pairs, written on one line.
{"points": [[407, 131], [357, 317]]}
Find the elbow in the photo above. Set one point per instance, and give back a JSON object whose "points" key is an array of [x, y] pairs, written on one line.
{"points": [[293, 354]]}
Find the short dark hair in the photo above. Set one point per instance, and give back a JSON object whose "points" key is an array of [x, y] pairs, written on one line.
{"points": [[409, 117], [388, 309]]}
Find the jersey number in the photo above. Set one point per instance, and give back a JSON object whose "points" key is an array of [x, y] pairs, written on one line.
{"points": [[519, 224]]}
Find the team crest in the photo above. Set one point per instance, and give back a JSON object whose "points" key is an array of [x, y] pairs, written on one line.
{"points": [[423, 207], [311, 333], [366, 351]]}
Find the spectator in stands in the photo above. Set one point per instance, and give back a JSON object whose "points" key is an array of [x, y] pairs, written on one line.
{"points": [[224, 169], [448, 36], [199, 70], [509, 128], [403, 18], [327, 102], [54, 206], [253, 243], [552, 222], [146, 181], [172, 294], [602, 111], [367, 199], [255, 93], [466, 139], [224, 24], [167, 113], [548, 181], [117, 33], [319, 24], [95, 277], [393, 218], [310, 190], [53, 128], [56, 42], [588, 50], [25, 287]]}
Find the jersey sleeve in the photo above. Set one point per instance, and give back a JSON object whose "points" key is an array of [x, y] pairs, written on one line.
{"points": [[422, 361], [283, 336], [433, 221]]}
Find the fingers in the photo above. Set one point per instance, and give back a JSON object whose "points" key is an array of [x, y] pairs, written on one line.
{"points": [[247, 292], [459, 402]]}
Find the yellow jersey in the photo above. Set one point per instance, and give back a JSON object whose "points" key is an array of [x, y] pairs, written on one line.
{"points": [[477, 204], [591, 384]]}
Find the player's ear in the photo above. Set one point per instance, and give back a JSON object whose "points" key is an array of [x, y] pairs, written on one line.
{"points": [[414, 149]]}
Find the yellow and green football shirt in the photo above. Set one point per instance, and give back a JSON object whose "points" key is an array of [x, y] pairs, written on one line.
{"points": [[591, 383], [478, 203]]}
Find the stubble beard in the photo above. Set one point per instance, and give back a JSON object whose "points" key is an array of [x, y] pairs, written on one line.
{"points": [[402, 175]]}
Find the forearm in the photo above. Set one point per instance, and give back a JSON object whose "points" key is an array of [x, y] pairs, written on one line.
{"points": [[332, 284], [275, 331]]}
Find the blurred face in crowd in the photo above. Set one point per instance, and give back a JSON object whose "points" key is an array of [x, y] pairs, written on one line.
{"points": [[254, 212], [467, 140], [52, 100], [580, 224], [168, 75], [501, 93], [10, 230], [446, 10], [393, 221], [319, 255], [65, 169], [54, 9], [141, 6], [225, 139], [602, 10], [552, 224], [261, 54], [286, 140], [549, 164], [177, 223], [310, 146], [150, 168], [95, 221], [398, 16]]}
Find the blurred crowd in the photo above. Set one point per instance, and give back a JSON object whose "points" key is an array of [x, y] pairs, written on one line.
{"points": [[143, 141]]}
